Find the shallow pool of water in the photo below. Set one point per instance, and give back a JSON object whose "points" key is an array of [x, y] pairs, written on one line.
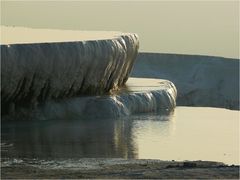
{"points": [[190, 133]]}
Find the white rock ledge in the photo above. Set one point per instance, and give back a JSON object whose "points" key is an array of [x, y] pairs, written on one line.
{"points": [[37, 69], [140, 95]]}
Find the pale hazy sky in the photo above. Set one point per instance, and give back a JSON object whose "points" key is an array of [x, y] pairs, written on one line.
{"points": [[189, 27]]}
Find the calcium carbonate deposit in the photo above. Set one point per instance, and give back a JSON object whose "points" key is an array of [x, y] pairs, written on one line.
{"points": [[47, 74], [134, 98], [41, 68]]}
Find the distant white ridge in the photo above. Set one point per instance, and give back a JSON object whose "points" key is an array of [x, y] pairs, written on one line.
{"points": [[200, 80]]}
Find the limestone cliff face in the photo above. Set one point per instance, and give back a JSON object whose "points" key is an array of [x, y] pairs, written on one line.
{"points": [[36, 72]]}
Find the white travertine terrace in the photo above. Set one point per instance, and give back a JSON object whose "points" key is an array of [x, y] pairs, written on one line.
{"points": [[139, 95], [39, 65]]}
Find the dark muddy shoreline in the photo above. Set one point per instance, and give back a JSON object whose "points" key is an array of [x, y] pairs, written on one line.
{"points": [[119, 168]]}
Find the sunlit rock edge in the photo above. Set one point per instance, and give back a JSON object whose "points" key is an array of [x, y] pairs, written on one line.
{"points": [[32, 73]]}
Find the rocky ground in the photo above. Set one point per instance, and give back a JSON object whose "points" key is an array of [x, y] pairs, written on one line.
{"points": [[118, 168]]}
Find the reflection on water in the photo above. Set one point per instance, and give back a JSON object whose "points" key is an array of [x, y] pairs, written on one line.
{"points": [[191, 134], [65, 139], [188, 134]]}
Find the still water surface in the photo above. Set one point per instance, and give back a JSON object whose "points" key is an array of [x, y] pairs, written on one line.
{"points": [[190, 133]]}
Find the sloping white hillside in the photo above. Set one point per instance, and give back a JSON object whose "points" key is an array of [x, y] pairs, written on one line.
{"points": [[200, 80]]}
